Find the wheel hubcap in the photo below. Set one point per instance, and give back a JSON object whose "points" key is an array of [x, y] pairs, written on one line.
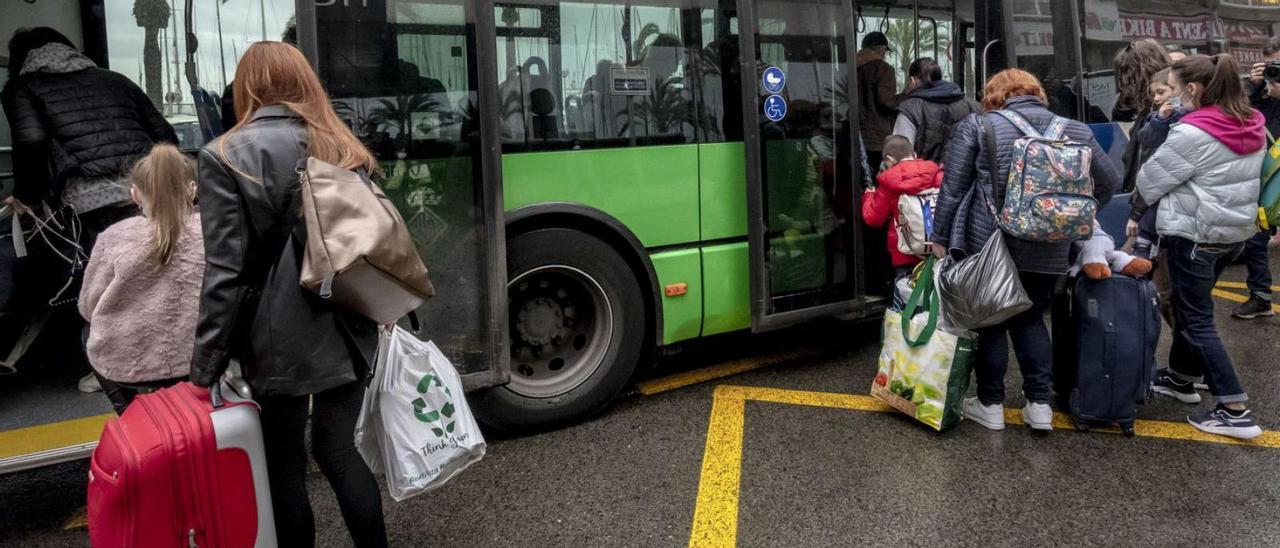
{"points": [[561, 326]]}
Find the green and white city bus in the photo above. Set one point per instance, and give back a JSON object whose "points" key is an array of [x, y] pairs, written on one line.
{"points": [[592, 180]]}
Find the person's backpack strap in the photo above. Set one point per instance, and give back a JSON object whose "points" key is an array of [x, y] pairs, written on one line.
{"points": [[989, 135], [1057, 130], [1019, 122]]}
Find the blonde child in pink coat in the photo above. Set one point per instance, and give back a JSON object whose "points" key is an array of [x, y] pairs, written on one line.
{"points": [[141, 289]]}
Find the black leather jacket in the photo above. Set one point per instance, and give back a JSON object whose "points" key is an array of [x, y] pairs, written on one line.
{"points": [[962, 219], [288, 340]]}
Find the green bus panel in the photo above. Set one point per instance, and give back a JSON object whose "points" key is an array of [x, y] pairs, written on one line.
{"points": [[724, 190], [726, 281], [681, 315], [652, 190]]}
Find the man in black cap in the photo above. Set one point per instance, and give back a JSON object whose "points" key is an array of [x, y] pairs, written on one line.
{"points": [[877, 95]]}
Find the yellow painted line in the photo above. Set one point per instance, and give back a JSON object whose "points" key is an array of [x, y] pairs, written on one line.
{"points": [[698, 376], [33, 439], [1242, 285], [715, 516], [1235, 297]]}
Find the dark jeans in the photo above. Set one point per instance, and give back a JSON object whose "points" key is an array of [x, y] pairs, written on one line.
{"points": [[1197, 349], [333, 423], [122, 394], [1255, 257], [1030, 343]]}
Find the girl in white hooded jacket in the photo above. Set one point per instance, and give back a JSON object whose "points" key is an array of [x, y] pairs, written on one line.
{"points": [[1205, 177]]}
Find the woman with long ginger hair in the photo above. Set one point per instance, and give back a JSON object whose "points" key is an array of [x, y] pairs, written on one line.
{"points": [[295, 349], [963, 222]]}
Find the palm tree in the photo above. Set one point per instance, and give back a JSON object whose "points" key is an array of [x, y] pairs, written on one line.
{"points": [[398, 113], [152, 15]]}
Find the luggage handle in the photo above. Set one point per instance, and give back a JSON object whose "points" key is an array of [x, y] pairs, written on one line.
{"points": [[215, 395]]}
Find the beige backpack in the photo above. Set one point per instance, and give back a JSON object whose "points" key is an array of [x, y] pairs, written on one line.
{"points": [[359, 253]]}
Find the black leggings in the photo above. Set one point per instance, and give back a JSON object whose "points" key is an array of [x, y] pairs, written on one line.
{"points": [[334, 414]]}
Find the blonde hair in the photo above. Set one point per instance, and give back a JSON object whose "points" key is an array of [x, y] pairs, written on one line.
{"points": [[275, 73], [163, 179]]}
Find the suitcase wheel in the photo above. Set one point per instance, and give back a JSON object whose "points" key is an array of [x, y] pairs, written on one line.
{"points": [[1127, 428], [1081, 424]]}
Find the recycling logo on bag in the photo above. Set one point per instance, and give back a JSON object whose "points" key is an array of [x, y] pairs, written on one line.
{"points": [[434, 416]]}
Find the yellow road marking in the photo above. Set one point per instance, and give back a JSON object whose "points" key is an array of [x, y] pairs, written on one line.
{"points": [[715, 516], [698, 376], [1235, 297], [1242, 285], [33, 439]]}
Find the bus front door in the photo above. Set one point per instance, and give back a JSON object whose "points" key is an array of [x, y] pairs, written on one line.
{"points": [[802, 180]]}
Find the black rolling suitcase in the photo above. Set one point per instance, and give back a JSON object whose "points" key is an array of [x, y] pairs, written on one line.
{"points": [[1104, 338]]}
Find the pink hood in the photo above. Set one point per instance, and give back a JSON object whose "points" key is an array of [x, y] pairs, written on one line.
{"points": [[1241, 137]]}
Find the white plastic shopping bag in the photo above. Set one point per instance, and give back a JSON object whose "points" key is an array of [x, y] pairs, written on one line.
{"points": [[417, 413]]}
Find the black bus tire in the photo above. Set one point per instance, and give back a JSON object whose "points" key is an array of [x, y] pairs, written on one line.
{"points": [[559, 256]]}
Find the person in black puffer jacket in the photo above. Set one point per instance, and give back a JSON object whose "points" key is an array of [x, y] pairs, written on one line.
{"points": [[929, 112], [963, 222], [77, 129]]}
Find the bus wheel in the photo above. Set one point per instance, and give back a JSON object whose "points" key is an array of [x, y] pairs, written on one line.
{"points": [[577, 330]]}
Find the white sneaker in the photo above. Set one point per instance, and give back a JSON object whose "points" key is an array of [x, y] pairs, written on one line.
{"points": [[89, 383], [990, 416], [1039, 416]]}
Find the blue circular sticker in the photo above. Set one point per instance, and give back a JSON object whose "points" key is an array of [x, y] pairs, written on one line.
{"points": [[773, 80], [775, 108]]}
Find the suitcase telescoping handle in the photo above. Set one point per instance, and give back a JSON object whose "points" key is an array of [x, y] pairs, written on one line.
{"points": [[215, 395]]}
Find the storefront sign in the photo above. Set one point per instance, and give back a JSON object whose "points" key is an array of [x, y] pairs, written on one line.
{"points": [[1171, 29], [1252, 33], [1102, 20], [1247, 56]]}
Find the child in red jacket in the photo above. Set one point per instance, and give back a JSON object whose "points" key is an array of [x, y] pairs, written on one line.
{"points": [[901, 174]]}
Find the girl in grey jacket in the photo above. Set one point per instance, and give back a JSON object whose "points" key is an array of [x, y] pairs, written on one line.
{"points": [[1206, 180]]}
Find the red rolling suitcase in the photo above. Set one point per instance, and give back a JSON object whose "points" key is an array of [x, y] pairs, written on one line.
{"points": [[178, 470]]}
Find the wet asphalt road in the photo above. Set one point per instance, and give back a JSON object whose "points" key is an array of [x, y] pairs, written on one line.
{"points": [[814, 476]]}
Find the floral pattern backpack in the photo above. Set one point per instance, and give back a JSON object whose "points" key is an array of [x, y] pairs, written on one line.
{"points": [[1049, 193]]}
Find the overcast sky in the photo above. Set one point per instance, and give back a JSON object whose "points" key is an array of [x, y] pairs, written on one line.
{"points": [[242, 23]]}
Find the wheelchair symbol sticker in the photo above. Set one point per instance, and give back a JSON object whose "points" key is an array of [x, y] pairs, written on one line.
{"points": [[773, 80], [775, 108]]}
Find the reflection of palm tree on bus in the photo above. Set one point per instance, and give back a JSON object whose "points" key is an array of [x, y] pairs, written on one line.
{"points": [[398, 113], [152, 15]]}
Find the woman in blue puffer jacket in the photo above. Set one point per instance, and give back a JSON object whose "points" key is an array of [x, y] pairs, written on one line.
{"points": [[963, 223]]}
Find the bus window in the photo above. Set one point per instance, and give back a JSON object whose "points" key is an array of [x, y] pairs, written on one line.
{"points": [[941, 37], [402, 75], [896, 20], [1046, 50], [594, 74], [719, 76], [146, 41]]}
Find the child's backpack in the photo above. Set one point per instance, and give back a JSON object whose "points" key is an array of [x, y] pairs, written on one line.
{"points": [[915, 221], [1269, 199], [1049, 193]]}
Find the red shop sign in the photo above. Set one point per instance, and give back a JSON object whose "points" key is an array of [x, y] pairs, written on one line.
{"points": [[1246, 32]]}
